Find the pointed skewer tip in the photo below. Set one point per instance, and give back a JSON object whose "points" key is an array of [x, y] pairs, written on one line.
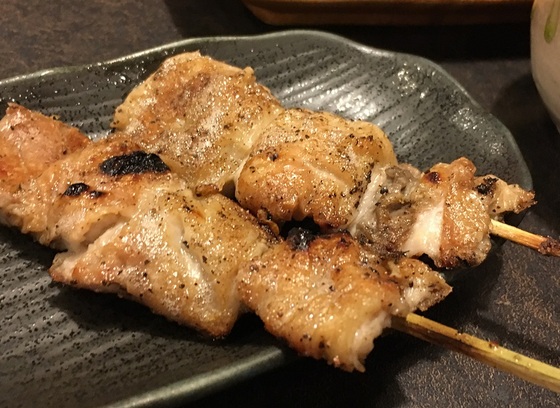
{"points": [[487, 352], [544, 245]]}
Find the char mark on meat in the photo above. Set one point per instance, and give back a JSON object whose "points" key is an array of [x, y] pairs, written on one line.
{"points": [[133, 163]]}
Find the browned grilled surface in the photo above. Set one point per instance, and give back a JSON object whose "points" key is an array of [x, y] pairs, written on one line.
{"points": [[329, 298], [131, 226], [177, 253], [312, 165], [199, 112], [210, 118], [29, 142]]}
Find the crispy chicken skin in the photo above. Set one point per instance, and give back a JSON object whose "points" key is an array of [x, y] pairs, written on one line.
{"points": [[27, 148], [211, 117], [329, 298], [199, 112], [131, 226], [311, 164]]}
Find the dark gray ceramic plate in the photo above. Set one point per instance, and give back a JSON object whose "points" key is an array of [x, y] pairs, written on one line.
{"points": [[64, 347]]}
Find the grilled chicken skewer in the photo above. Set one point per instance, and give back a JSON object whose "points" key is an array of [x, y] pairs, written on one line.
{"points": [[327, 296], [128, 225], [226, 131], [132, 227], [114, 249]]}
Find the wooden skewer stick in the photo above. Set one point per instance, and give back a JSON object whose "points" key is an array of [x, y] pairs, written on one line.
{"points": [[488, 352], [544, 245]]}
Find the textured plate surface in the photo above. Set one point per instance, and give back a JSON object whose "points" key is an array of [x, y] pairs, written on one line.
{"points": [[64, 347]]}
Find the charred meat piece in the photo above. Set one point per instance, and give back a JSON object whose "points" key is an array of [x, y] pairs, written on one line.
{"points": [[312, 165], [202, 114], [329, 298], [75, 200], [131, 226], [444, 213]]}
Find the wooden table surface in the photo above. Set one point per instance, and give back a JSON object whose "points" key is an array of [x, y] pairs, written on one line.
{"points": [[512, 298], [396, 12]]}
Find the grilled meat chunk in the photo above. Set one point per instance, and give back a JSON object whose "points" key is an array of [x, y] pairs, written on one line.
{"points": [[203, 114], [131, 226], [312, 165], [444, 213], [29, 142], [329, 298], [176, 253]]}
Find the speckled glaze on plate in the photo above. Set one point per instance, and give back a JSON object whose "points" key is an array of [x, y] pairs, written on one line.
{"points": [[65, 347]]}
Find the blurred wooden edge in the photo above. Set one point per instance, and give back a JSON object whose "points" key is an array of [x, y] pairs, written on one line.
{"points": [[389, 12]]}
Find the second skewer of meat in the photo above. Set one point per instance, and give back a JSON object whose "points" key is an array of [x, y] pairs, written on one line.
{"points": [[225, 130]]}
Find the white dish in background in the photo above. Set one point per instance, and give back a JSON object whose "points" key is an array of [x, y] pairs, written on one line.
{"points": [[545, 54]]}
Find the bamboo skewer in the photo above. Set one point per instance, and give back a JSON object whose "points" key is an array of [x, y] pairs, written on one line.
{"points": [[544, 245], [488, 352]]}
